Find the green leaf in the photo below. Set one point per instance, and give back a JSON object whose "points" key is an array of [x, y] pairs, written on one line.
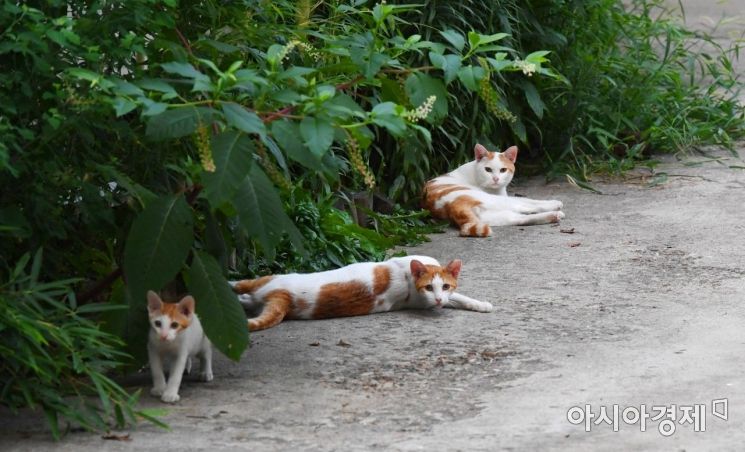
{"points": [[477, 40], [153, 108], [232, 152], [318, 134], [178, 122], [533, 98], [122, 106], [126, 88], [261, 215], [287, 135], [156, 85], [470, 76], [474, 39], [454, 38], [343, 106], [363, 52], [538, 57], [217, 306], [273, 53], [518, 128], [500, 61], [182, 69], [129, 321], [214, 240], [450, 64], [157, 244], [242, 119], [388, 115], [420, 86]]}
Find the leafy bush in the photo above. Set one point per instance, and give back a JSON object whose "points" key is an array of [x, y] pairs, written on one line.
{"points": [[641, 82], [54, 358]]}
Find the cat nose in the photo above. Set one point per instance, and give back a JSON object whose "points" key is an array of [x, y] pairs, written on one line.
{"points": [[439, 300]]}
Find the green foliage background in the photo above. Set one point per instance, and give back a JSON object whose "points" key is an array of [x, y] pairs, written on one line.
{"points": [[152, 141]]}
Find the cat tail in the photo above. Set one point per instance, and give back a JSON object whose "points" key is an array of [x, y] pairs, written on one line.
{"points": [[277, 304], [462, 213], [460, 301], [249, 286]]}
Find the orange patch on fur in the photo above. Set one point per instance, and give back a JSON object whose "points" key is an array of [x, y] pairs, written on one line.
{"points": [[433, 192], [251, 285], [381, 279], [507, 163], [343, 300], [278, 305], [432, 271], [299, 304], [174, 313], [460, 210]]}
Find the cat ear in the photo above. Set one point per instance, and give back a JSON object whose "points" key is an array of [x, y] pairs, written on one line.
{"points": [[154, 303], [511, 153], [186, 305], [454, 267], [479, 152], [417, 268]]}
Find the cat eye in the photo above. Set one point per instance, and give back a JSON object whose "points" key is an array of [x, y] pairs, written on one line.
{"points": [[503, 170], [174, 325], [157, 323], [446, 287], [488, 170], [429, 287]]}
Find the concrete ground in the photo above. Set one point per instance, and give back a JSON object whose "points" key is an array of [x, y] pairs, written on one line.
{"points": [[636, 298], [642, 303]]}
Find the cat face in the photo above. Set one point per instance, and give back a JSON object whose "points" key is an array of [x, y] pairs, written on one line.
{"points": [[169, 319], [435, 283], [494, 170]]}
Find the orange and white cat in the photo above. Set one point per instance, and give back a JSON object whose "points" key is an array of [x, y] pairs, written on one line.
{"points": [[474, 196], [411, 282], [176, 335]]}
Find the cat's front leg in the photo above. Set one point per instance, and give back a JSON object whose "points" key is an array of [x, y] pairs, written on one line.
{"points": [[532, 206], [459, 301], [170, 395], [205, 362], [156, 370], [544, 205]]}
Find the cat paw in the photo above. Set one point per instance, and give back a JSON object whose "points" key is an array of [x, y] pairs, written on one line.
{"points": [[169, 397], [557, 217], [486, 307], [157, 392], [206, 376], [475, 230]]}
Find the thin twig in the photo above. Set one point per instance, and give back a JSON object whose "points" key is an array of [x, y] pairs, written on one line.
{"points": [[184, 41]]}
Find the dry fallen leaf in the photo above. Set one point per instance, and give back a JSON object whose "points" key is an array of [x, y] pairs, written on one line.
{"points": [[341, 343], [574, 244], [567, 231], [115, 437]]}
